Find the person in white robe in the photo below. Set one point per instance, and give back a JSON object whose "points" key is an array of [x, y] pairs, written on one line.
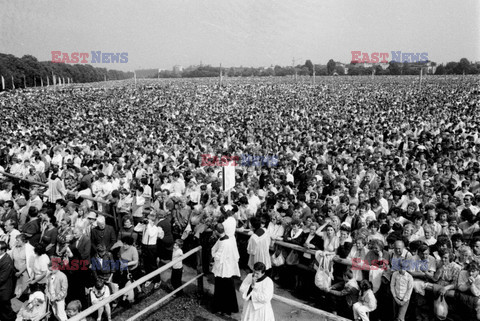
{"points": [[259, 245], [225, 267], [230, 226], [257, 292]]}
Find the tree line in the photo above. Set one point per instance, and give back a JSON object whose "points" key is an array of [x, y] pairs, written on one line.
{"points": [[29, 72], [331, 68]]}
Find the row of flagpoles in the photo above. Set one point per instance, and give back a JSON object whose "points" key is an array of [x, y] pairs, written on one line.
{"points": [[57, 81]]}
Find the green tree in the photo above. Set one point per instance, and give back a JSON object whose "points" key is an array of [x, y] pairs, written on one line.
{"points": [[394, 68], [463, 66], [440, 70], [451, 67], [309, 65], [331, 67], [340, 70]]}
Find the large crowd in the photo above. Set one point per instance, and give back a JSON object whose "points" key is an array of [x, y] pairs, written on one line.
{"points": [[377, 180]]}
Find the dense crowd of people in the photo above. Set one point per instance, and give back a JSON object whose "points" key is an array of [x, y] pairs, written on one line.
{"points": [[376, 180]]}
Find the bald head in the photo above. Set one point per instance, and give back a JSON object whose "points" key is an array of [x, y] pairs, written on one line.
{"points": [[399, 246]]}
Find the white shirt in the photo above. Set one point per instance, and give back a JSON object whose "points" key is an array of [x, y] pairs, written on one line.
{"points": [[5, 196], [151, 233], [57, 160], [384, 204], [39, 167], [176, 254]]}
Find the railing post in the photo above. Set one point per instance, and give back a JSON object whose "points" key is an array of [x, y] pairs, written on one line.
{"points": [[200, 271]]}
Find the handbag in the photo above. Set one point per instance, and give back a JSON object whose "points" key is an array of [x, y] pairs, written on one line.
{"points": [[375, 276], [440, 308], [324, 276], [277, 258], [186, 231], [292, 258]]}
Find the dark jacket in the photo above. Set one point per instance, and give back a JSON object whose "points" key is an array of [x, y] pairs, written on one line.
{"points": [[298, 240], [32, 230], [106, 237], [7, 273], [356, 222], [82, 251], [166, 225], [317, 241]]}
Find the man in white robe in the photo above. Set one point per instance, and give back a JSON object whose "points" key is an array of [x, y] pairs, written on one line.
{"points": [[225, 266], [257, 291]]}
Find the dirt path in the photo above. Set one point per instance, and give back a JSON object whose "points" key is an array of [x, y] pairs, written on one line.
{"points": [[192, 307]]}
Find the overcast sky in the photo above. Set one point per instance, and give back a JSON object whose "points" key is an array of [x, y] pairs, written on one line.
{"points": [[160, 34]]}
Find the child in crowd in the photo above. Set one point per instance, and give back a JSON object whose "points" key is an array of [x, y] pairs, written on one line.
{"points": [[74, 308], [401, 286], [177, 269], [98, 293], [366, 303], [349, 289]]}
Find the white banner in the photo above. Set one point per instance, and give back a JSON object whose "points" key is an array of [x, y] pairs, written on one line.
{"points": [[228, 176]]}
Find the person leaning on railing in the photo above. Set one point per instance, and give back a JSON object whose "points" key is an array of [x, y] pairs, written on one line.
{"points": [[468, 288]]}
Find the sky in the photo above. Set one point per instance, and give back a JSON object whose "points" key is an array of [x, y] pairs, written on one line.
{"points": [[161, 34]]}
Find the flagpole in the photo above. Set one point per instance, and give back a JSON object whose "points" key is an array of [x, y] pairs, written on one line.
{"points": [[3, 83], [220, 74], [13, 83], [314, 75], [421, 74]]}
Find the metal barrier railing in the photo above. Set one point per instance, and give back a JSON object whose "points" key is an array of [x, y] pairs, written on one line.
{"points": [[428, 287], [287, 245], [93, 199], [199, 278]]}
